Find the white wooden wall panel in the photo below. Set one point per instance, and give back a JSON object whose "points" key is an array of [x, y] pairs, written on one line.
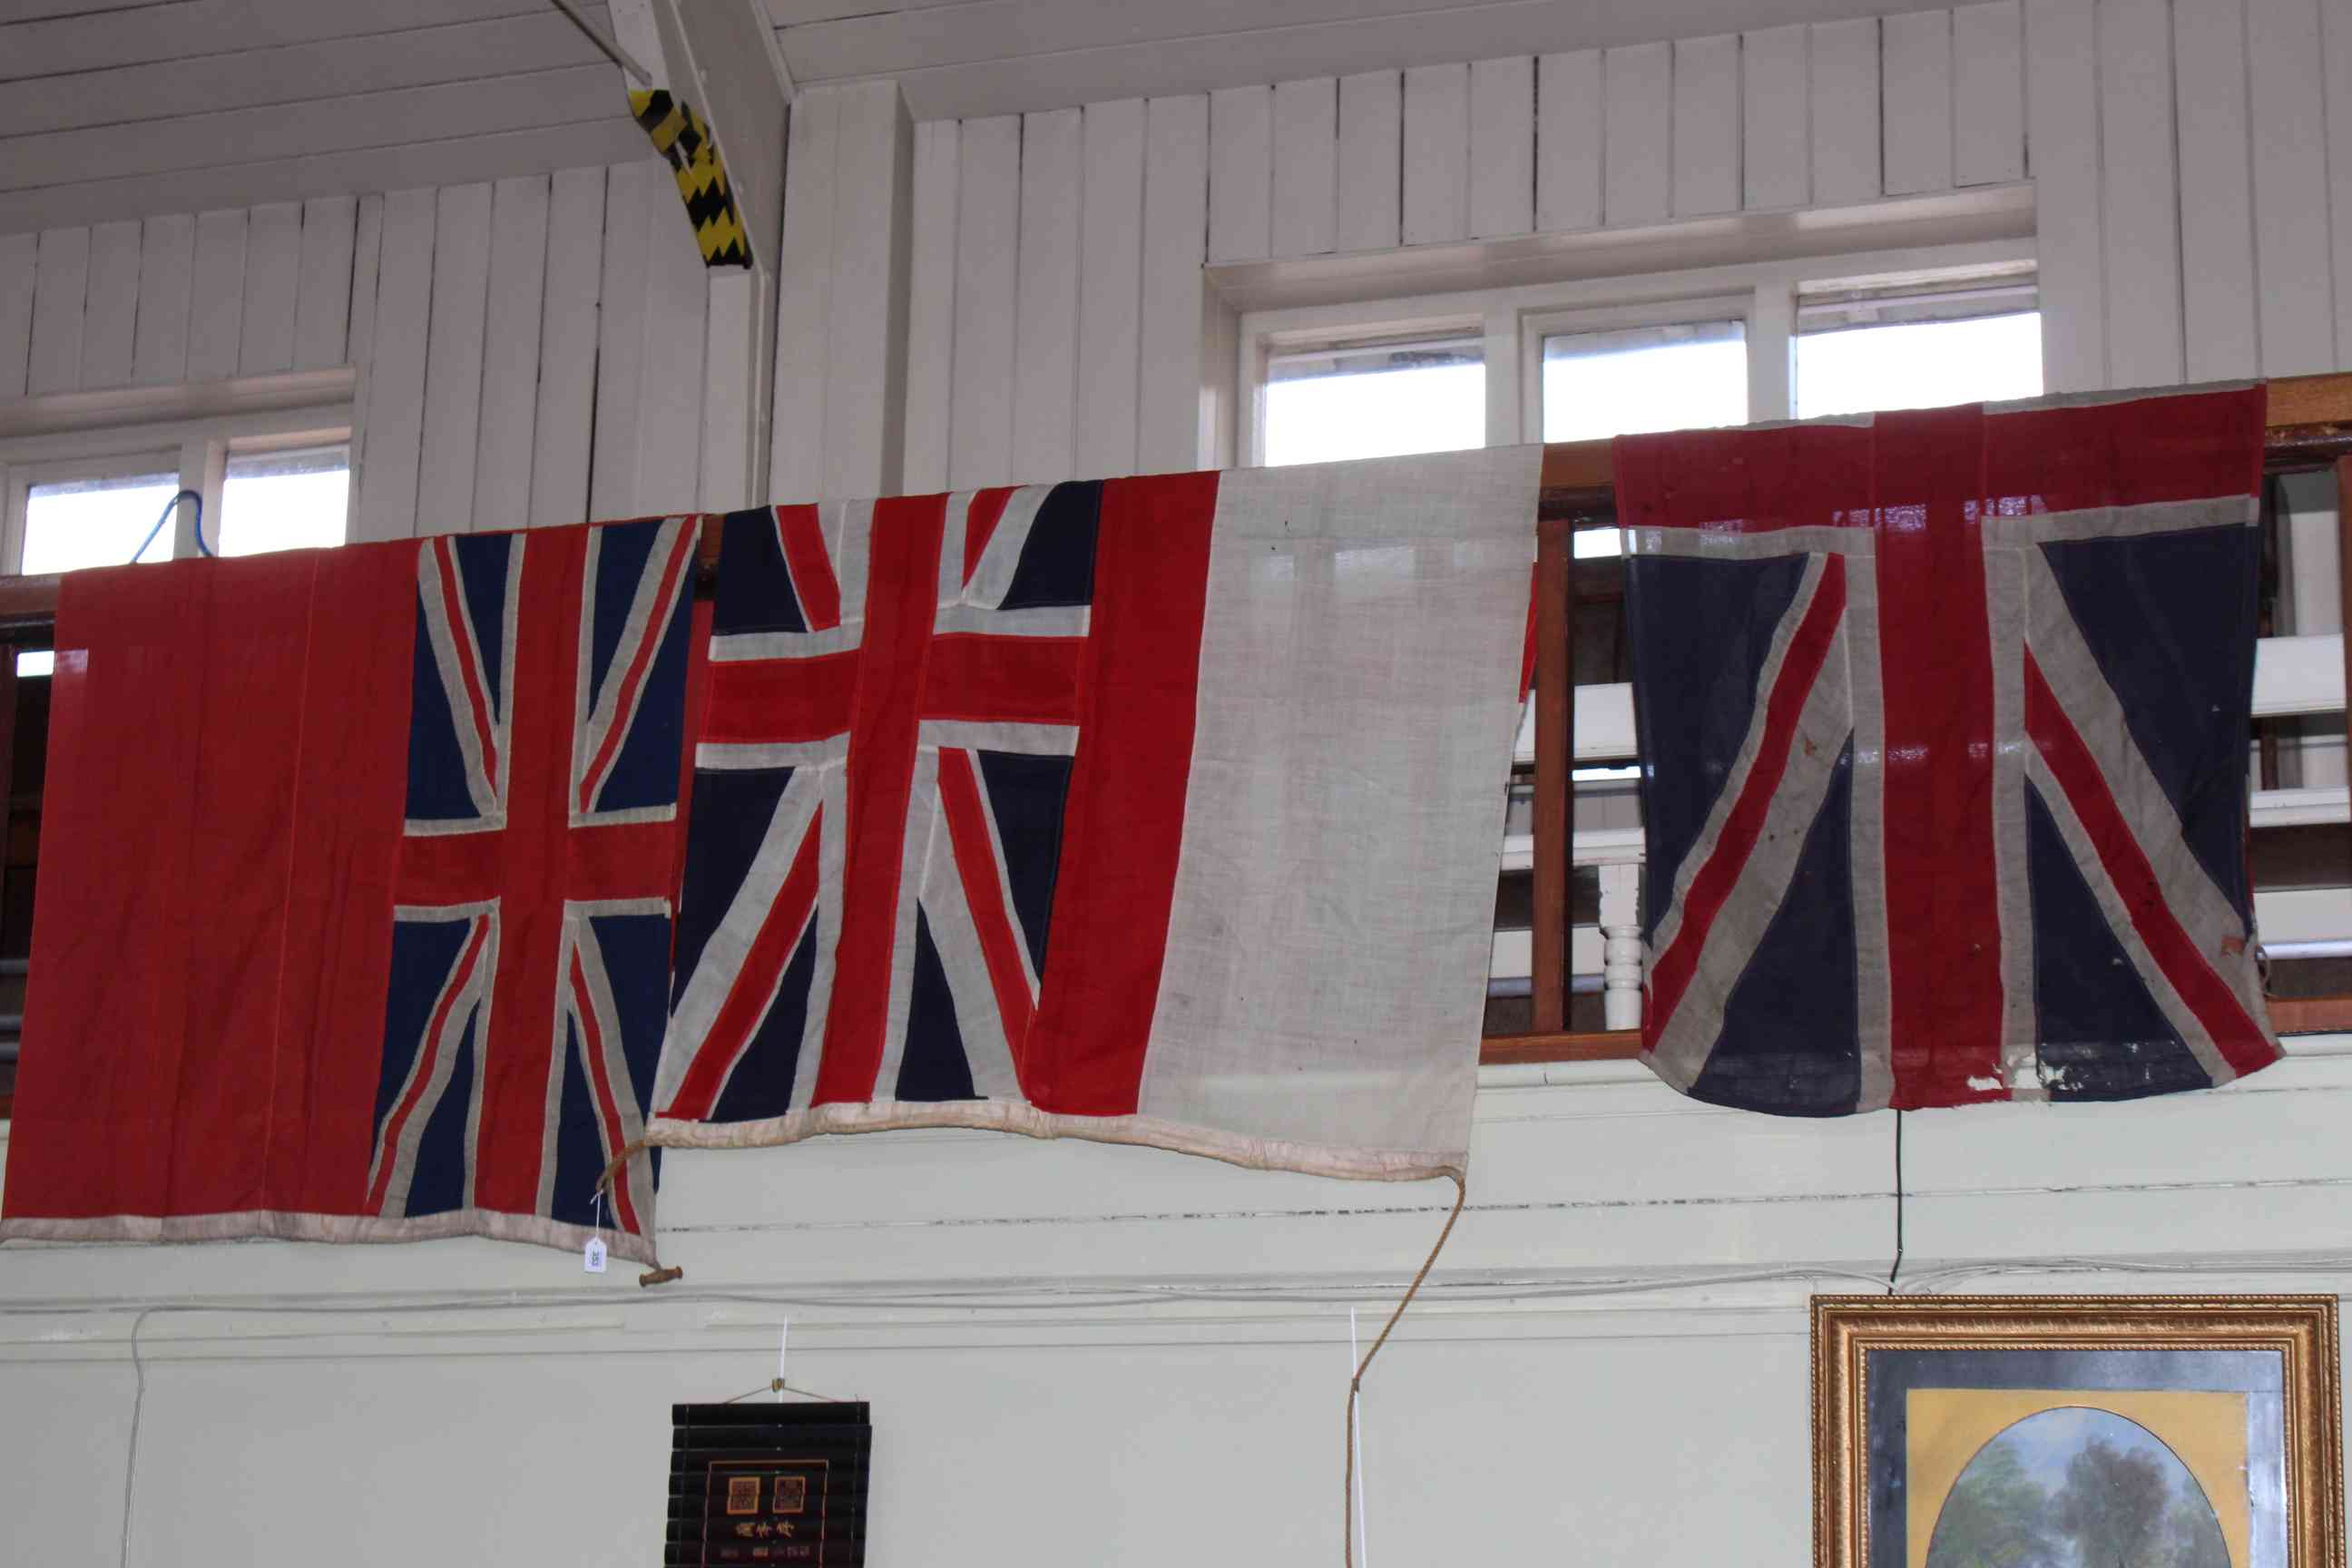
{"points": [[1045, 307], [453, 360], [167, 252], [217, 295], [19, 264], [931, 306], [1569, 141], [1371, 142], [273, 271], [1776, 156], [2140, 228], [1637, 141], [1707, 126], [1175, 208], [980, 421], [631, 190], [1305, 165], [518, 275], [804, 301], [324, 302], [59, 287], [730, 344], [670, 396], [1919, 102], [1240, 173], [1988, 94], [565, 411], [1845, 120], [2290, 149], [1502, 147], [2217, 219], [867, 341], [395, 374], [1110, 280], [1437, 153], [2336, 23], [112, 309], [2062, 119], [367, 252]]}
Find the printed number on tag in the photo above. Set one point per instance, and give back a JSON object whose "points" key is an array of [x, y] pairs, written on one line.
{"points": [[592, 1258]]}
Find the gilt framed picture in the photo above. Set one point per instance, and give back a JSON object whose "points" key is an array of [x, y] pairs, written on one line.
{"points": [[2077, 1432]]}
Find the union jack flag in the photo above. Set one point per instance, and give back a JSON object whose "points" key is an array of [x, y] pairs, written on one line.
{"points": [[1944, 720], [531, 930], [894, 708]]}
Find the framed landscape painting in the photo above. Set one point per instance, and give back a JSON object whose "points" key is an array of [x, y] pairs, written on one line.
{"points": [[2077, 1432]]}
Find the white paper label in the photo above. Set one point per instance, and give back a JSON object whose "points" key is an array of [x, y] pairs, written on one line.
{"points": [[592, 1258]]}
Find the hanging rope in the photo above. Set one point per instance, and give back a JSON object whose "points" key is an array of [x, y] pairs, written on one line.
{"points": [[1355, 1384], [658, 1274]]}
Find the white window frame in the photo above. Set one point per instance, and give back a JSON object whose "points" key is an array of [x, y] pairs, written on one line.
{"points": [[101, 436], [1513, 321]]}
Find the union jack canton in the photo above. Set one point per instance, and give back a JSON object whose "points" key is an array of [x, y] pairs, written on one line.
{"points": [[1944, 720], [531, 933], [880, 788]]}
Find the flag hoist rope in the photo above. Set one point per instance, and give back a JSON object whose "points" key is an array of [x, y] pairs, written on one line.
{"points": [[1355, 1384]]}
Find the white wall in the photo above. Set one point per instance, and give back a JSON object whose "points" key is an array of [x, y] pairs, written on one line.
{"points": [[534, 350], [2138, 122], [1083, 1354]]}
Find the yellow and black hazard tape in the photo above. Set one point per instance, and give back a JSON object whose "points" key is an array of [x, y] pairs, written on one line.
{"points": [[679, 134]]}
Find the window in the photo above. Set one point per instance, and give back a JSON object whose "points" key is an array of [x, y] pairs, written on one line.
{"points": [[1678, 375], [1590, 359], [1861, 350], [284, 501], [99, 514], [1379, 399], [92, 493]]}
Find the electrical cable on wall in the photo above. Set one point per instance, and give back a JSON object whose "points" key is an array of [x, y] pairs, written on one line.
{"points": [[169, 508], [1897, 1267]]}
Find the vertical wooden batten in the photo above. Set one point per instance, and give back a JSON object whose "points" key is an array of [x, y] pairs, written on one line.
{"points": [[1554, 699], [2344, 559]]}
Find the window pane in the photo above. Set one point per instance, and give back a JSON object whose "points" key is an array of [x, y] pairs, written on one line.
{"points": [[1920, 364], [284, 501], [97, 522], [1379, 401], [1677, 377]]}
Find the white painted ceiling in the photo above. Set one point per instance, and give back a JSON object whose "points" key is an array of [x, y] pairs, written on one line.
{"points": [[124, 108], [959, 58]]}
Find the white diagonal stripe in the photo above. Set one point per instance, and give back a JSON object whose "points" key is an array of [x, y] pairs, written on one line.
{"points": [[2178, 1012], [1823, 728], [443, 623], [923, 820], [1744, 760], [991, 578], [723, 955], [2091, 706]]}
